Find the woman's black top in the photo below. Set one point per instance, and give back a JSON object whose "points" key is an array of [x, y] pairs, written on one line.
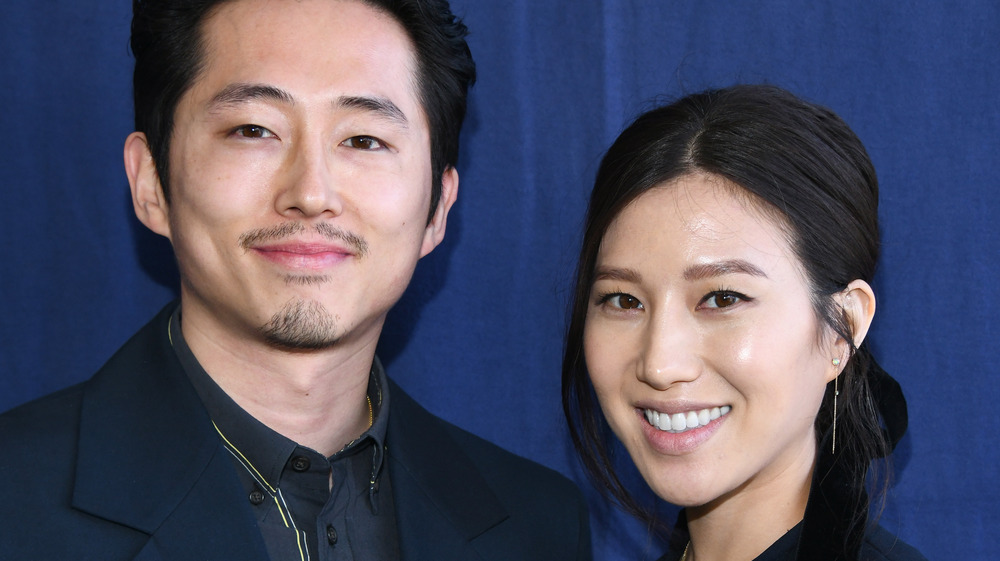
{"points": [[878, 545]]}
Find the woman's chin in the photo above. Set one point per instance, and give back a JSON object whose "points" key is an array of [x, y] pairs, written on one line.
{"points": [[681, 490]]}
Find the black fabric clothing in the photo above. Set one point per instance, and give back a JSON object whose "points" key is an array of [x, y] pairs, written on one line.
{"points": [[289, 485], [134, 470], [878, 545]]}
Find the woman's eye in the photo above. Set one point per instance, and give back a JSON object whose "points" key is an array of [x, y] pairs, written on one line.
{"points": [[253, 131], [723, 299], [623, 301], [364, 143]]}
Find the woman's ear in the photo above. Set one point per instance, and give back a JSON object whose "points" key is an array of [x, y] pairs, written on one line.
{"points": [[148, 199], [858, 302]]}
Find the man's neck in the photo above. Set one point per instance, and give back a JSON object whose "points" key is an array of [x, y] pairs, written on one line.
{"points": [[315, 398]]}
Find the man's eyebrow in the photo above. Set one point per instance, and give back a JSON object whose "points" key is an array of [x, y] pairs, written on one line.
{"points": [[235, 94], [379, 106], [617, 274], [720, 268]]}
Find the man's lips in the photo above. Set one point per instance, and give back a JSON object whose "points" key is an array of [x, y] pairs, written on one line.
{"points": [[304, 255], [300, 241]]}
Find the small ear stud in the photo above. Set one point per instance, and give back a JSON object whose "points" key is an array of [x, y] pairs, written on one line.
{"points": [[836, 362]]}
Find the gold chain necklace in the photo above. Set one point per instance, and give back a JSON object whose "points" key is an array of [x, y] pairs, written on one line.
{"points": [[684, 555]]}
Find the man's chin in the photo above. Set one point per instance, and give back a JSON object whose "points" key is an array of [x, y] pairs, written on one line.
{"points": [[302, 325]]}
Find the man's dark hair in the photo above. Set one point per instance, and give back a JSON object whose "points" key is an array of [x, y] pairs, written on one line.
{"points": [[169, 50]]}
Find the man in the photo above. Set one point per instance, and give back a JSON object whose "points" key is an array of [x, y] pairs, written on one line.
{"points": [[299, 156]]}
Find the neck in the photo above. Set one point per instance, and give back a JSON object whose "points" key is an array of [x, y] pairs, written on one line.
{"points": [[742, 524], [317, 399]]}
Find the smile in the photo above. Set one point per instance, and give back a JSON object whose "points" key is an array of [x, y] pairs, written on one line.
{"points": [[304, 255], [681, 422]]}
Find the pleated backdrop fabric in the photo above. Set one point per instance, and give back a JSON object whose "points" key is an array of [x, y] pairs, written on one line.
{"points": [[479, 335]]}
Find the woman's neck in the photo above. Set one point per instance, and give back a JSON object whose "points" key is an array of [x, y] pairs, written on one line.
{"points": [[742, 524]]}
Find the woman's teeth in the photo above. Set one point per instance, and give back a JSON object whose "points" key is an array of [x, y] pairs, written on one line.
{"points": [[680, 422]]}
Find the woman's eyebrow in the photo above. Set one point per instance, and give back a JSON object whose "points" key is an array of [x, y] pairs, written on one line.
{"points": [[720, 268], [617, 273]]}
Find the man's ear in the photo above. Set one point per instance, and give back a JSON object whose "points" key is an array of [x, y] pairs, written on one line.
{"points": [[858, 302], [434, 232], [147, 194]]}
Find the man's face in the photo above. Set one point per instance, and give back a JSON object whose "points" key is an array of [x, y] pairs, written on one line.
{"points": [[301, 175]]}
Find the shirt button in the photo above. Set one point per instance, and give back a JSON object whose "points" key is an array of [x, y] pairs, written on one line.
{"points": [[300, 463], [331, 535], [256, 497]]}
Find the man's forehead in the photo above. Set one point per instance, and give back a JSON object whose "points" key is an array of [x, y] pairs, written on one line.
{"points": [[260, 50], [247, 22]]}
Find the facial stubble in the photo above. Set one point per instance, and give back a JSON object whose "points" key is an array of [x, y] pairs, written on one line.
{"points": [[303, 324]]}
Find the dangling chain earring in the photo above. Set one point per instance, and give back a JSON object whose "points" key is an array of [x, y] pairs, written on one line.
{"points": [[836, 392]]}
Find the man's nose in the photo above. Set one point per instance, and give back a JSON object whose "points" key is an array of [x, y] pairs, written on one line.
{"points": [[309, 185]]}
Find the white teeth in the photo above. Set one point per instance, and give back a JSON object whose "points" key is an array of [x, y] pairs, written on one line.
{"points": [[680, 422], [704, 416]]}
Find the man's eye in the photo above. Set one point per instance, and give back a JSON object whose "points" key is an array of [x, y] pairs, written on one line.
{"points": [[623, 301], [253, 131], [723, 299], [364, 143]]}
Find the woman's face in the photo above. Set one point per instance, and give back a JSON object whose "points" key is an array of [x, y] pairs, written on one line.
{"points": [[702, 344]]}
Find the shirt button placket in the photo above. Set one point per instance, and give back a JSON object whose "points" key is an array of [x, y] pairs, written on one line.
{"points": [[256, 497], [300, 463]]}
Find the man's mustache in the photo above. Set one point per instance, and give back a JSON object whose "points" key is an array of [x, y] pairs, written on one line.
{"points": [[260, 235]]}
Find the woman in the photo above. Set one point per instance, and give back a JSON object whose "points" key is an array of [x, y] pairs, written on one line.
{"points": [[719, 319]]}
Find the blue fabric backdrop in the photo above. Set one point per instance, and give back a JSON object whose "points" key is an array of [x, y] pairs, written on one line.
{"points": [[478, 337]]}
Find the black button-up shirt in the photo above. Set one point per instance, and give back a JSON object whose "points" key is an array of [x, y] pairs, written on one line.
{"points": [[308, 506]]}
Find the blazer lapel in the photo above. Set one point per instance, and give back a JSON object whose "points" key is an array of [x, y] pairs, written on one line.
{"points": [[442, 501], [149, 459]]}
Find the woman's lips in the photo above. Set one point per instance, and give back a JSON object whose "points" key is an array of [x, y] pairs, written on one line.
{"points": [[684, 421], [673, 439]]}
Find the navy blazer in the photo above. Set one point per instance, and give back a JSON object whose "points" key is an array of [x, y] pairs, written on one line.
{"points": [[127, 466]]}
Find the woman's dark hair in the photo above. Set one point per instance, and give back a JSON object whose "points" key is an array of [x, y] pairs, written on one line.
{"points": [[169, 50], [798, 162]]}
